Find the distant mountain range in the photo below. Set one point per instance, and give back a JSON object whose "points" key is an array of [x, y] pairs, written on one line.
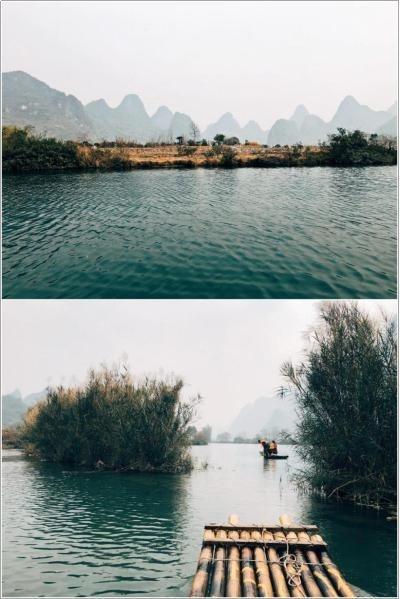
{"points": [[14, 406], [262, 416], [28, 101]]}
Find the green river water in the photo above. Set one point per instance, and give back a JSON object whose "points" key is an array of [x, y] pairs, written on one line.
{"points": [[242, 233], [68, 533]]}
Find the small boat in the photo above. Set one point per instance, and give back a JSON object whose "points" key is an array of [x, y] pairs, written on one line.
{"points": [[274, 456]]}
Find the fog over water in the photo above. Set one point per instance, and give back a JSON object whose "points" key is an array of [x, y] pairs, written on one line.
{"points": [[257, 60]]}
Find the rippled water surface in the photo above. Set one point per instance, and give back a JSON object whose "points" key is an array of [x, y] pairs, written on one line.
{"points": [[320, 232], [79, 533]]}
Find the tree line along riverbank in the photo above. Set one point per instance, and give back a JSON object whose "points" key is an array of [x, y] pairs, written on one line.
{"points": [[25, 152]]}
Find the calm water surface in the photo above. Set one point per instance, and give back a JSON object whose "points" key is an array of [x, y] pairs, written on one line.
{"points": [[68, 533], [248, 233]]}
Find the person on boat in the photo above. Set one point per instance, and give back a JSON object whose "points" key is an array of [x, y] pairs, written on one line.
{"points": [[264, 446], [273, 448]]}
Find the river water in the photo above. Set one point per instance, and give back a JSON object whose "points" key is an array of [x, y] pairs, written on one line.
{"points": [[243, 233], [68, 533]]}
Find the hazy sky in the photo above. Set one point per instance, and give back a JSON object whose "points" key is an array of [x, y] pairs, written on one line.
{"points": [[255, 59], [228, 351]]}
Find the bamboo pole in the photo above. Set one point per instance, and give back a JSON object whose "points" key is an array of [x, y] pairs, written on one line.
{"points": [[296, 589], [200, 580], [248, 575], [303, 537], [315, 538], [267, 536], [291, 537], [279, 579], [342, 587], [322, 579], [280, 536], [218, 578], [264, 582], [310, 585], [316, 570], [233, 520], [285, 520], [233, 574]]}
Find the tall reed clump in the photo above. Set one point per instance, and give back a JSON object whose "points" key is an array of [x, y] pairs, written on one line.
{"points": [[112, 422], [347, 409]]}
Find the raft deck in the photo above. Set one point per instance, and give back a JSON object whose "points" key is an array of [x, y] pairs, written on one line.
{"points": [[284, 560]]}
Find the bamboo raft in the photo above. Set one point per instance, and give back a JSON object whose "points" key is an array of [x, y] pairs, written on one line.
{"points": [[266, 561]]}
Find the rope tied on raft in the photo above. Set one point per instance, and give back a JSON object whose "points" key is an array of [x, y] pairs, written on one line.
{"points": [[290, 561]]}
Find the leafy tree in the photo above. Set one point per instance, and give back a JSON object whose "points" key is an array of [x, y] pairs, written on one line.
{"points": [[219, 138], [346, 391], [347, 147], [232, 141]]}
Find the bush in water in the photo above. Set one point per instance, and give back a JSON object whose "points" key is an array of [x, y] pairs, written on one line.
{"points": [[114, 423]]}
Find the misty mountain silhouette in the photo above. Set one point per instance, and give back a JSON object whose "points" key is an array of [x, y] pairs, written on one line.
{"points": [[14, 406], [265, 414], [28, 101]]}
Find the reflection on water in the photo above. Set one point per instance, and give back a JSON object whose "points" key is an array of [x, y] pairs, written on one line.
{"points": [[248, 233], [80, 533]]}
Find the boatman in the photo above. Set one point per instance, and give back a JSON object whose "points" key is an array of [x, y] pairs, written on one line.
{"points": [[264, 445]]}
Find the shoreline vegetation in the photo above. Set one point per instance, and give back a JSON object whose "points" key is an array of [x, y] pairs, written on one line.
{"points": [[25, 152], [346, 393]]}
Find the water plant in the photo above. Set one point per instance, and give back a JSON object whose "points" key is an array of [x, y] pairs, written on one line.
{"points": [[113, 422]]}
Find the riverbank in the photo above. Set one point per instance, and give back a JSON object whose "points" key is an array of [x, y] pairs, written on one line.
{"points": [[23, 152]]}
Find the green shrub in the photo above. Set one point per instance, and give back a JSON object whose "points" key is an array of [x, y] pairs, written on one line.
{"points": [[354, 148], [23, 151], [228, 157], [113, 422]]}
